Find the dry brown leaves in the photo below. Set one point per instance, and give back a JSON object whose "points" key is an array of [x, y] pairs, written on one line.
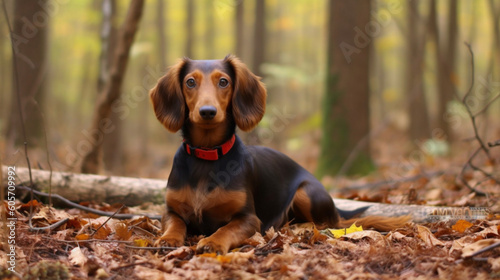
{"points": [[97, 248]]}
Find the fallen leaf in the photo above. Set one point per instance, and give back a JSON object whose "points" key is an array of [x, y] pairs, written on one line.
{"points": [[76, 223], [122, 232], [141, 242], [337, 233], [470, 249], [495, 264], [143, 272], [26, 207], [181, 253], [462, 225], [82, 236], [77, 257], [426, 235], [224, 258], [103, 231], [374, 235]]}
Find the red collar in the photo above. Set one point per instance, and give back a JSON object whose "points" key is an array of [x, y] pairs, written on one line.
{"points": [[210, 154]]}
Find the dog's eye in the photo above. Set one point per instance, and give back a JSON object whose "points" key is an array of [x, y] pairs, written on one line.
{"points": [[191, 83], [223, 82]]}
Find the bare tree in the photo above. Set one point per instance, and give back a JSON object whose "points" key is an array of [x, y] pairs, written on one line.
{"points": [[113, 143], [101, 123]]}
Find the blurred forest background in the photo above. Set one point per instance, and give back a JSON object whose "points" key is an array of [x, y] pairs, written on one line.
{"points": [[353, 85]]}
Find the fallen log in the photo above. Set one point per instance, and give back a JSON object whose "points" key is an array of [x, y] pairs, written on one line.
{"points": [[135, 191], [97, 188]]}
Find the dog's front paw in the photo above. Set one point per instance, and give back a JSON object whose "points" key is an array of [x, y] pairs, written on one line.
{"points": [[210, 245], [169, 241]]}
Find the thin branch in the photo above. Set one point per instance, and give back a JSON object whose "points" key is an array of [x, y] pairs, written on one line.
{"points": [[86, 241], [484, 173], [50, 227], [472, 75], [487, 105], [87, 209], [482, 146], [46, 150], [152, 248], [105, 222], [494, 144], [469, 111], [462, 172], [485, 249]]}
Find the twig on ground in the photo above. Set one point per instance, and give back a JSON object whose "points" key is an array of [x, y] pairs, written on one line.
{"points": [[151, 248], [87, 241], [105, 222], [494, 144], [52, 226], [90, 210], [485, 249]]}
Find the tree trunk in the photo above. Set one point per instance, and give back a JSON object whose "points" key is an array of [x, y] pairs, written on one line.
{"points": [[112, 143], [445, 55], [190, 9], [239, 29], [346, 111], [101, 123], [31, 24], [419, 116], [162, 35], [259, 38]]}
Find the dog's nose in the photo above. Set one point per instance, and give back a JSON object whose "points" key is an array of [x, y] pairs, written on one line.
{"points": [[208, 112]]}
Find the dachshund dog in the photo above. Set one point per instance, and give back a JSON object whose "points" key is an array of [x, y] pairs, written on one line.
{"points": [[219, 187]]}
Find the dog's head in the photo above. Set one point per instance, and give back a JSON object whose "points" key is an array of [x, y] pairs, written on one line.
{"points": [[205, 91]]}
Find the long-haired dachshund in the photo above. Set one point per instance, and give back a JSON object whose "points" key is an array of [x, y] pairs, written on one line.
{"points": [[219, 187]]}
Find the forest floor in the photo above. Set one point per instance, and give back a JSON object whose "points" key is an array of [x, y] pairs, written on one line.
{"points": [[456, 245], [90, 246]]}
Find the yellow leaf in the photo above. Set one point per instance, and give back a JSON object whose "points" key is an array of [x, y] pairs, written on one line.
{"points": [[462, 225], [337, 233], [141, 242]]}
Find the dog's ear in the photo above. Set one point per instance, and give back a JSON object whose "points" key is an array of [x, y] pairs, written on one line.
{"points": [[167, 98], [249, 97]]}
